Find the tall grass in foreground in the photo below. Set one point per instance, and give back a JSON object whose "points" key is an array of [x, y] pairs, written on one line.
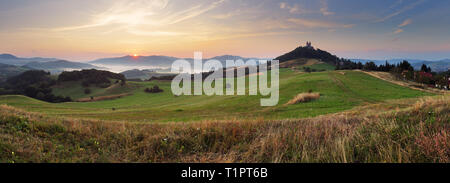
{"points": [[304, 97], [414, 133]]}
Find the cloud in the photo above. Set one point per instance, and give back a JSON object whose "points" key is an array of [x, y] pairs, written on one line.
{"points": [[405, 23], [123, 12], [295, 9], [396, 3], [324, 9], [135, 13], [193, 12], [227, 15], [398, 31], [404, 9], [318, 23]]}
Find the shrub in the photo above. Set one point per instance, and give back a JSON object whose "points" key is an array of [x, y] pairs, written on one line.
{"points": [[155, 89], [87, 91], [304, 97]]}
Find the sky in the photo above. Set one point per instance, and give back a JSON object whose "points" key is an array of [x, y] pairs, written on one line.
{"points": [[83, 30]]}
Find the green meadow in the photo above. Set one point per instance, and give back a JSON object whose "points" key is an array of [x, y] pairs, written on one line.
{"points": [[339, 91]]}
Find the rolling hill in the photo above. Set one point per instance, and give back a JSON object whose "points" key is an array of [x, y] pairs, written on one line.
{"points": [[340, 90], [7, 71], [358, 118], [309, 52], [309, 59]]}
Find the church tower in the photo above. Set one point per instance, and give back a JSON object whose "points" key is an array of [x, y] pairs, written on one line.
{"points": [[308, 44]]}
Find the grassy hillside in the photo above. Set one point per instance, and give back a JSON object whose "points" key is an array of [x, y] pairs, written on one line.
{"points": [[393, 131], [339, 91], [322, 67], [75, 90], [312, 64]]}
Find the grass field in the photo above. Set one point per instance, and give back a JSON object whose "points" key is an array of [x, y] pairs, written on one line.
{"points": [[396, 131], [362, 119], [322, 67], [339, 91], [75, 90]]}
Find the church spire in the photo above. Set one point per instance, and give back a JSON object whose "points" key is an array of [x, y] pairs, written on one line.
{"points": [[308, 44]]}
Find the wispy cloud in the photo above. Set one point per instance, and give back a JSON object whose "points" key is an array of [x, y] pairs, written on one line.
{"points": [[132, 15], [295, 9], [405, 23], [398, 31], [227, 15], [318, 23], [324, 8], [193, 12], [396, 3], [123, 12], [402, 10]]}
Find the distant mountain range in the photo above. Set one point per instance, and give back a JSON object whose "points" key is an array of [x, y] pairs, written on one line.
{"points": [[13, 60], [59, 66], [157, 61], [52, 65], [125, 63], [436, 66]]}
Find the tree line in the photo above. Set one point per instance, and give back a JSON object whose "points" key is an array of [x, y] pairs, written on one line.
{"points": [[403, 70], [38, 84]]}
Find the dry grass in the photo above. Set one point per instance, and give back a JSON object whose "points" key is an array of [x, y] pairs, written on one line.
{"points": [[410, 84], [415, 133], [303, 98]]}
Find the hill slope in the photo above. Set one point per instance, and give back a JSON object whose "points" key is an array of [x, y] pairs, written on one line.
{"points": [[309, 52], [7, 71], [397, 132], [339, 91]]}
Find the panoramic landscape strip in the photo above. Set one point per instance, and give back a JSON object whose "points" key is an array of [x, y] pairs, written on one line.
{"points": [[221, 81]]}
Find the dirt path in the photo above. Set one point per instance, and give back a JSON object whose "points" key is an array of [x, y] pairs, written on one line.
{"points": [[388, 77]]}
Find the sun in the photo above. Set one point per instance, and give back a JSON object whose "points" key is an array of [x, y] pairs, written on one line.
{"points": [[135, 55]]}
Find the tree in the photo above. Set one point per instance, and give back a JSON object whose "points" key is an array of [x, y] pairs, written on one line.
{"points": [[424, 68], [405, 65], [154, 89], [370, 66], [307, 69], [87, 91]]}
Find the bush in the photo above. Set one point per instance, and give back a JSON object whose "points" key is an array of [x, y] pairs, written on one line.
{"points": [[87, 91], [92, 77], [155, 89]]}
